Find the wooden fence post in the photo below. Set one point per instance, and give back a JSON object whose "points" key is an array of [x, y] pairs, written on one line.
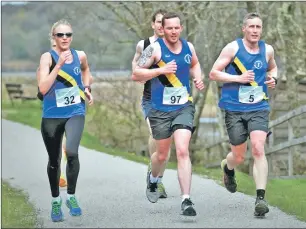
{"points": [[208, 155]]}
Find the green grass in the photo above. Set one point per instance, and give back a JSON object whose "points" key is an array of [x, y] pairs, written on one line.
{"points": [[17, 211], [288, 195]]}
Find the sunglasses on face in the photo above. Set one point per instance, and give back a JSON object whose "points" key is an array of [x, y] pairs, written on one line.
{"points": [[63, 34]]}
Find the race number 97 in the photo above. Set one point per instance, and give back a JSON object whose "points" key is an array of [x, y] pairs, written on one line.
{"points": [[175, 99]]}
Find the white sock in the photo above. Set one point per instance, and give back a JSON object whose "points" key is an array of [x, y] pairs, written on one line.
{"points": [[56, 199], [153, 179], [185, 197], [159, 179], [69, 196]]}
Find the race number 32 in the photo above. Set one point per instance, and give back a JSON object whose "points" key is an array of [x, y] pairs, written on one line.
{"points": [[69, 100], [67, 96]]}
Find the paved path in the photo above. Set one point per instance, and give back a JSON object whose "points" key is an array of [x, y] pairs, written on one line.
{"points": [[111, 191]]}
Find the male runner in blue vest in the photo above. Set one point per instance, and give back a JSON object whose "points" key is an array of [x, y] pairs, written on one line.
{"points": [[168, 63], [146, 97], [250, 69]]}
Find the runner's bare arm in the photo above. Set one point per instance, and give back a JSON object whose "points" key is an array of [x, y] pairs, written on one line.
{"points": [[272, 67], [86, 74], [147, 58], [45, 79], [137, 55], [225, 57], [195, 69], [271, 78]]}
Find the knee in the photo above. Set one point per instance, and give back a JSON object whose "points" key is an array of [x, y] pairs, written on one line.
{"points": [[72, 157], [182, 153], [239, 159], [162, 157], [258, 149], [54, 164]]}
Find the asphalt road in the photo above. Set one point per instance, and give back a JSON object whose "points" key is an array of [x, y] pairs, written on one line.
{"points": [[111, 191]]}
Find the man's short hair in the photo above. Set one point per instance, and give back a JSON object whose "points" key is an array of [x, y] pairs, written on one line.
{"points": [[251, 16], [160, 11], [169, 16]]}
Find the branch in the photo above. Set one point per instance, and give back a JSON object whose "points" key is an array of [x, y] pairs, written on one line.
{"points": [[136, 18], [126, 22]]}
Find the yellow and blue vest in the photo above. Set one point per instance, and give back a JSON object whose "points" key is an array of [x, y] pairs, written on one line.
{"points": [[168, 82], [232, 93], [66, 96]]}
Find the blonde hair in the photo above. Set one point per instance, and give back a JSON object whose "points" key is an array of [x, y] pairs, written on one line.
{"points": [[54, 26]]}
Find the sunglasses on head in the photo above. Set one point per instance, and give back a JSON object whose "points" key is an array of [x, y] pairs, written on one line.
{"points": [[63, 34]]}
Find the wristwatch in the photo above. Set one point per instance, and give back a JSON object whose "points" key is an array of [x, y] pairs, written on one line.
{"points": [[89, 88], [274, 79]]}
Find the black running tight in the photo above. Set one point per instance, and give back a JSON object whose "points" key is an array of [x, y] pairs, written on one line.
{"points": [[52, 130]]}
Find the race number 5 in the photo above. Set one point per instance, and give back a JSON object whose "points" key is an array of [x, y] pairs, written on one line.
{"points": [[251, 98], [250, 94]]}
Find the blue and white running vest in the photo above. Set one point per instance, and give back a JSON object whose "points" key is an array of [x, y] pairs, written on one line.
{"points": [[66, 96], [171, 92], [246, 97]]}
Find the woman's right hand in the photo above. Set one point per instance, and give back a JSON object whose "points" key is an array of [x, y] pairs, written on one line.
{"points": [[65, 57]]}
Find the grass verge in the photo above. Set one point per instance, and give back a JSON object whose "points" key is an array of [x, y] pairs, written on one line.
{"points": [[17, 211], [288, 195]]}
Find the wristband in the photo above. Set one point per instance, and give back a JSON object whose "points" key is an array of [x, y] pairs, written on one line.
{"points": [[274, 79], [40, 96], [89, 88]]}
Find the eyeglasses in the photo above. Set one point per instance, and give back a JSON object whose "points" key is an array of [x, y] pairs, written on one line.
{"points": [[63, 34]]}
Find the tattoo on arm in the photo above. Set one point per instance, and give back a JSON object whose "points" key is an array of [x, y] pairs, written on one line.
{"points": [[83, 67], [146, 54]]}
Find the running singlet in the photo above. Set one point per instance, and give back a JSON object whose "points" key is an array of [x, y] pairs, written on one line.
{"points": [[66, 96], [246, 97], [172, 91]]}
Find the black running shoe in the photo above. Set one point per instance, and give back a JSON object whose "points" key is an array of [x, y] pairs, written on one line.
{"points": [[152, 192], [187, 208], [261, 207], [229, 181]]}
